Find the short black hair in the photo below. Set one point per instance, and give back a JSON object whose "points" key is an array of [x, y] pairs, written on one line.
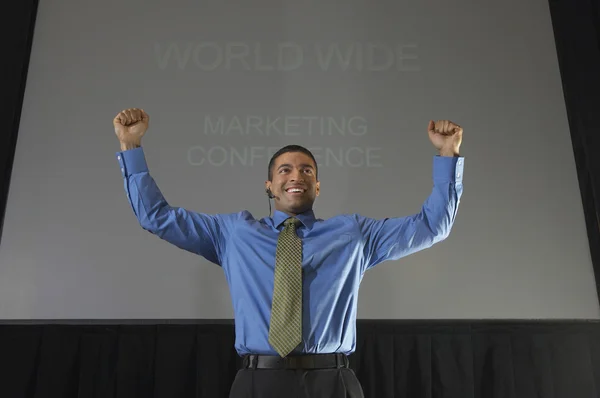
{"points": [[291, 148]]}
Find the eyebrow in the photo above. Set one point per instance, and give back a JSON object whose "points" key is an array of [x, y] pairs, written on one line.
{"points": [[289, 165]]}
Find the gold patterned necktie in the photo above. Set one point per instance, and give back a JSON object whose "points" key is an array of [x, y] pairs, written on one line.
{"points": [[285, 331]]}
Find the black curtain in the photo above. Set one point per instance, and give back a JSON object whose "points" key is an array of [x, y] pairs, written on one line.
{"points": [[577, 36], [393, 359], [17, 21], [419, 359]]}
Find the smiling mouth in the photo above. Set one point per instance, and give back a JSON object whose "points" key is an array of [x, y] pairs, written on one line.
{"points": [[295, 191]]}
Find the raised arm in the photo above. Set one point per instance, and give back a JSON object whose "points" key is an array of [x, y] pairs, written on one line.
{"points": [[198, 233], [394, 238]]}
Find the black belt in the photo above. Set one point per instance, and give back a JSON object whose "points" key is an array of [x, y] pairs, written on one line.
{"points": [[312, 361]]}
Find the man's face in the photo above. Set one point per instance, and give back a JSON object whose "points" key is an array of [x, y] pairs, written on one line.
{"points": [[294, 183]]}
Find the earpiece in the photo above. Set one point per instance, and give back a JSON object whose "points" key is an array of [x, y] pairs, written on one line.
{"points": [[269, 193]]}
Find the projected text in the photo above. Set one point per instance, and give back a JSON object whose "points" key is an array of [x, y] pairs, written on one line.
{"points": [[287, 56]]}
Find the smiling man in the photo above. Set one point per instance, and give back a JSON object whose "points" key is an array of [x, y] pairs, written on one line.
{"points": [[292, 180], [293, 278]]}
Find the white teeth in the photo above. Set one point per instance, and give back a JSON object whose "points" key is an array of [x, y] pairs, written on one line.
{"points": [[294, 190]]}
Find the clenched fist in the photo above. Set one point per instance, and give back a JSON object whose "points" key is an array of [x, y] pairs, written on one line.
{"points": [[130, 126], [445, 136]]}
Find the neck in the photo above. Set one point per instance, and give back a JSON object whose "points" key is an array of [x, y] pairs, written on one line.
{"points": [[293, 214]]}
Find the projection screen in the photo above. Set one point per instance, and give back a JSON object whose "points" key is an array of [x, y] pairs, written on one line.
{"points": [[228, 83]]}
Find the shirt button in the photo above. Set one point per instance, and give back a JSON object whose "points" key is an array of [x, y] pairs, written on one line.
{"points": [[459, 161], [122, 170], [458, 174], [119, 157]]}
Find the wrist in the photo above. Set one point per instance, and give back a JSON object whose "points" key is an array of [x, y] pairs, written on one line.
{"points": [[451, 152], [125, 146]]}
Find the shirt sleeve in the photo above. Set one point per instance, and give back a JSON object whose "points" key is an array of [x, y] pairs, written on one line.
{"points": [[197, 233], [394, 238]]}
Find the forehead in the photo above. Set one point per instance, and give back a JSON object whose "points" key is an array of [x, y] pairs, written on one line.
{"points": [[294, 158]]}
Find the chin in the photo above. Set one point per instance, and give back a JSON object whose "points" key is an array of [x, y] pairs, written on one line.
{"points": [[300, 208]]}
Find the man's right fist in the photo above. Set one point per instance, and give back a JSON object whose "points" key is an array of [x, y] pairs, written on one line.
{"points": [[131, 125]]}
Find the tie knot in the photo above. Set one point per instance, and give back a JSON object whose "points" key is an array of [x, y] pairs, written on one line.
{"points": [[292, 221]]}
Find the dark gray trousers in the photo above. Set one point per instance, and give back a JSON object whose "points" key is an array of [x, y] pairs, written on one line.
{"points": [[292, 383]]}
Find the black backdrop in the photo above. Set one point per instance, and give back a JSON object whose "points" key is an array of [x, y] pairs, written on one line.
{"points": [[414, 359], [454, 359]]}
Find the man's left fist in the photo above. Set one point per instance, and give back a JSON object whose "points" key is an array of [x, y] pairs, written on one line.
{"points": [[445, 136]]}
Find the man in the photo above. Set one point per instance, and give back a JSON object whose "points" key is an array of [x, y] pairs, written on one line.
{"points": [[293, 278]]}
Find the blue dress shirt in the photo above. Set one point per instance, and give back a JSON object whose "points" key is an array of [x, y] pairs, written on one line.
{"points": [[336, 252]]}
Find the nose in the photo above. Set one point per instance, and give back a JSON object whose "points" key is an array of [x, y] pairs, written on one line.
{"points": [[296, 175]]}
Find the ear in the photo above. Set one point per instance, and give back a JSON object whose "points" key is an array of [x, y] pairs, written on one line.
{"points": [[318, 186], [267, 185]]}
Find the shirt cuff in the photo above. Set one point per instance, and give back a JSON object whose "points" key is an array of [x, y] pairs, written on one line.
{"points": [[132, 161], [448, 168]]}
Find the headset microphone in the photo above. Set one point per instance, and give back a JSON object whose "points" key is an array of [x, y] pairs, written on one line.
{"points": [[271, 196]]}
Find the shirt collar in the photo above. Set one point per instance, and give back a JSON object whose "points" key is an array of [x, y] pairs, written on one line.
{"points": [[307, 218]]}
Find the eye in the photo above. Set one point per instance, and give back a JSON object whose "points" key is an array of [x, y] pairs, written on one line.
{"points": [[283, 170]]}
